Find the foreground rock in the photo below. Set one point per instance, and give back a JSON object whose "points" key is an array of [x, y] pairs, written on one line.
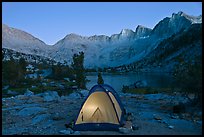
{"points": [[40, 118], [84, 93], [125, 130], [78, 94], [49, 96], [66, 132], [28, 93], [10, 92], [74, 95], [31, 111], [47, 113]]}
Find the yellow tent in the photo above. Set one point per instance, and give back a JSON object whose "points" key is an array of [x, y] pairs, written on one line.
{"points": [[102, 110]]}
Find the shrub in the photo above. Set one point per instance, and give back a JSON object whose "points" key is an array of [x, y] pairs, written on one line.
{"points": [[189, 78]]}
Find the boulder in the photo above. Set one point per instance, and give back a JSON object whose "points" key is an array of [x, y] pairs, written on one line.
{"points": [[170, 127], [61, 86], [31, 111], [33, 86], [65, 132], [135, 127], [84, 93], [128, 124], [63, 98], [49, 123], [68, 131], [19, 107], [124, 130], [51, 96], [165, 122], [52, 84], [74, 95], [10, 92], [140, 84], [22, 97], [40, 118], [3, 99], [57, 116], [157, 117], [76, 133], [186, 116], [34, 99], [39, 94], [174, 116], [44, 84], [5, 87], [74, 87], [178, 100], [28, 93], [197, 116], [47, 97], [67, 79], [30, 105]]}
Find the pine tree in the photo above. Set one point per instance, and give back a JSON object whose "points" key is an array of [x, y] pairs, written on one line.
{"points": [[189, 77], [21, 67], [9, 72], [100, 79], [57, 71], [78, 68]]}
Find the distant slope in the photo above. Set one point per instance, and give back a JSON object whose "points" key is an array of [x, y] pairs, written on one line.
{"points": [[21, 41], [185, 46], [36, 59]]}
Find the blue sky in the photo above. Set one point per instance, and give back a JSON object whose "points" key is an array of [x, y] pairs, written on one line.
{"points": [[51, 21]]}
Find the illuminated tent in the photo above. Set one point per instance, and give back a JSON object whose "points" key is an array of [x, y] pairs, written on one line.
{"points": [[101, 110]]}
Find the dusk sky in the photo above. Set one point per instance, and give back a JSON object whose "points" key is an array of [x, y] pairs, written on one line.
{"points": [[51, 21]]}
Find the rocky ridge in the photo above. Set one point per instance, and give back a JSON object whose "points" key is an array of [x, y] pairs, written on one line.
{"points": [[101, 51]]}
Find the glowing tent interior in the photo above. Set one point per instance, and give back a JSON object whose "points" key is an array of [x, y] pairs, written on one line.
{"points": [[101, 110]]}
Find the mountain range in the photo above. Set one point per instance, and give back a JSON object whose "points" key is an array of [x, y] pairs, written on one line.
{"points": [[127, 47]]}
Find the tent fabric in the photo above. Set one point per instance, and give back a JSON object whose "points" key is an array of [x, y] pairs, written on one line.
{"points": [[97, 108], [101, 110], [116, 105], [96, 127]]}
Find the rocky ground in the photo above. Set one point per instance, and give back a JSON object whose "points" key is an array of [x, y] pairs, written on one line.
{"points": [[47, 113]]}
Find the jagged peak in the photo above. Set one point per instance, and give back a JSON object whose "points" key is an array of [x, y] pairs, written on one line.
{"points": [[98, 37], [139, 27], [126, 31], [193, 19], [73, 35], [181, 13], [142, 31]]}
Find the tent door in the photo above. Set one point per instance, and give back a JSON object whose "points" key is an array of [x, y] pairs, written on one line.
{"points": [[97, 116]]}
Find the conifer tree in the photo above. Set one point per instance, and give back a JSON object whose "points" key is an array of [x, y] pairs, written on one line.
{"points": [[78, 68], [100, 79]]}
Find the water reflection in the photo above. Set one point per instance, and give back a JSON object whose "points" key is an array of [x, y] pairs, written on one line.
{"points": [[118, 80]]}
